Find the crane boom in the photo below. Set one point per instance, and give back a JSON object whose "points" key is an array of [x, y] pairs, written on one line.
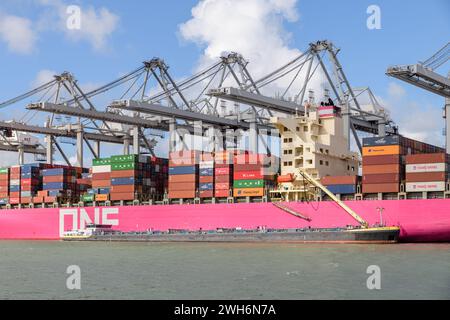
{"points": [[316, 183]]}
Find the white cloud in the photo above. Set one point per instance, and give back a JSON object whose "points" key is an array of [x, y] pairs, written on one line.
{"points": [[17, 33], [97, 25], [43, 77], [396, 91], [253, 28], [419, 121]]}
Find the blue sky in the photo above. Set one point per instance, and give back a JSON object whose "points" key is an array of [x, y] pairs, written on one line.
{"points": [[410, 31]]}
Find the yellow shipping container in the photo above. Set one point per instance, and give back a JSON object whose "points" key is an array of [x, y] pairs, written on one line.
{"points": [[381, 150], [248, 192], [101, 197]]}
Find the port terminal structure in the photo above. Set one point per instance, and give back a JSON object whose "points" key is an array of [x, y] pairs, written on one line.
{"points": [[220, 97], [424, 75]]}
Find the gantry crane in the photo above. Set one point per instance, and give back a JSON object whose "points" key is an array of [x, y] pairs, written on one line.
{"points": [[423, 75]]}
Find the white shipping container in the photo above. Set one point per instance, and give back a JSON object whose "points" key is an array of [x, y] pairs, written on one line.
{"points": [[101, 169], [426, 167], [14, 182], [206, 164], [425, 186]]}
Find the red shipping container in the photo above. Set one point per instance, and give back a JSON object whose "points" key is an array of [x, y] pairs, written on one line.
{"points": [[4, 195], [222, 186], [222, 171], [14, 200], [4, 177], [29, 182], [377, 160], [38, 199], [224, 178], [101, 183], [14, 194], [426, 176], [221, 193], [25, 200], [15, 170], [206, 194], [247, 175], [42, 193], [206, 179], [101, 176], [4, 189], [50, 199], [426, 158], [381, 178], [330, 180], [247, 167]]}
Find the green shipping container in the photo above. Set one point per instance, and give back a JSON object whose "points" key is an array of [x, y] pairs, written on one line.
{"points": [[124, 166], [130, 158], [248, 183], [101, 161], [87, 198], [4, 170]]}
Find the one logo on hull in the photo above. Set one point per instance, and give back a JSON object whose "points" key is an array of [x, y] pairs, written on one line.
{"points": [[81, 217]]}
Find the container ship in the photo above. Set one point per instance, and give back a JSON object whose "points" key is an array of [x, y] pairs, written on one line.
{"points": [[404, 183]]}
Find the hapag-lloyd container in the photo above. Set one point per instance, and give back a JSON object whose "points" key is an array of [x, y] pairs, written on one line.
{"points": [[427, 158], [426, 167], [248, 192], [377, 160], [425, 186]]}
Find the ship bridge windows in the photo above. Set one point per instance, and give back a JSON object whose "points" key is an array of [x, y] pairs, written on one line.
{"points": [[305, 128]]}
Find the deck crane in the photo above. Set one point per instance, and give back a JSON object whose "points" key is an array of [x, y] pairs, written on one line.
{"points": [[307, 177], [423, 75], [317, 184]]}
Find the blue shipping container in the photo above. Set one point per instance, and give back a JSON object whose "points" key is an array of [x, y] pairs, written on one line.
{"points": [[102, 190], [56, 172], [342, 188], [183, 170], [206, 186], [207, 172], [54, 185], [14, 188], [125, 181]]}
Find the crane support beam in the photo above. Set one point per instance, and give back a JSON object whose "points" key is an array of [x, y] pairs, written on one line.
{"points": [[92, 114], [422, 77], [255, 99], [159, 110], [26, 149], [17, 126]]}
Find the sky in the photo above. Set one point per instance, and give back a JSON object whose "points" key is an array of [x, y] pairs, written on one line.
{"points": [[116, 36]]}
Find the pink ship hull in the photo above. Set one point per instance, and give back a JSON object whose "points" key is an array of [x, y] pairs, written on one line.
{"points": [[420, 220]]}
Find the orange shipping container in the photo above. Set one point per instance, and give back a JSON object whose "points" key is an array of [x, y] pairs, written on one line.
{"points": [[181, 186], [101, 197], [183, 178], [188, 194], [248, 192], [382, 168], [380, 187], [101, 183], [381, 150], [206, 179], [123, 173], [426, 176], [122, 196], [38, 199]]}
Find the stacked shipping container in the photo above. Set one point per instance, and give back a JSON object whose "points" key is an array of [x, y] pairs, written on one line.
{"points": [[30, 182], [206, 176], [4, 186], [127, 177], [59, 184], [14, 185], [426, 172], [252, 175], [183, 174], [383, 162], [101, 181]]}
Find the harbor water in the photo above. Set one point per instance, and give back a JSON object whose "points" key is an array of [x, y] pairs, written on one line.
{"points": [[39, 270]]}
